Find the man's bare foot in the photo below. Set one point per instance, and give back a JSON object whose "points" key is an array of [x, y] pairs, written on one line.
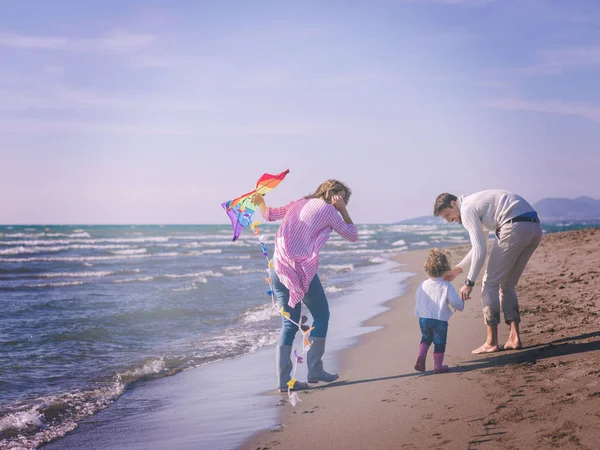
{"points": [[513, 345], [486, 348]]}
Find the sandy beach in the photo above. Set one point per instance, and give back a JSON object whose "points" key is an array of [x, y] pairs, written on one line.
{"points": [[545, 395]]}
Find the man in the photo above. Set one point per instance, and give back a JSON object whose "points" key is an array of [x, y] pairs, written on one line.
{"points": [[518, 233]]}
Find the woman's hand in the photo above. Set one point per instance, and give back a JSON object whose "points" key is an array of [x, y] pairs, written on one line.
{"points": [[452, 274], [258, 200], [338, 202]]}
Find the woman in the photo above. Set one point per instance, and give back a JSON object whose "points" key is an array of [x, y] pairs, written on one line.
{"points": [[307, 224]]}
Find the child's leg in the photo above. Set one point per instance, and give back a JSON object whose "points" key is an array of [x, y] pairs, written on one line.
{"points": [[440, 334], [426, 339]]}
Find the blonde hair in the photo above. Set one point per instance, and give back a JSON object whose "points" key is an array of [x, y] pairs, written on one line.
{"points": [[437, 263], [329, 188]]}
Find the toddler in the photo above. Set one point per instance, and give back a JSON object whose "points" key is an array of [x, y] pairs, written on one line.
{"points": [[435, 301]]}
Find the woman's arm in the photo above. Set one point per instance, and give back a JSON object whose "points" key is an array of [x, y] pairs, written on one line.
{"points": [[342, 225], [269, 214]]}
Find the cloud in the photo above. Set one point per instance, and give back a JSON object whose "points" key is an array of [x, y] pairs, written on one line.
{"points": [[116, 43], [587, 111]]}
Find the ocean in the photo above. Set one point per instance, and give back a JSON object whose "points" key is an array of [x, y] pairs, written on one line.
{"points": [[89, 312]]}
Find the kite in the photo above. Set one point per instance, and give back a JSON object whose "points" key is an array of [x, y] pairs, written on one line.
{"points": [[240, 212], [240, 209]]}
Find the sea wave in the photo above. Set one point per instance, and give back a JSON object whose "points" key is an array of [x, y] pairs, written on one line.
{"points": [[333, 289], [57, 284], [75, 274], [131, 251], [206, 273], [377, 260], [133, 280], [260, 314], [339, 268], [103, 258], [31, 423], [20, 250]]}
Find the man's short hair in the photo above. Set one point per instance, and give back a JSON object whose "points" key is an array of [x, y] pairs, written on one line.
{"points": [[443, 201]]}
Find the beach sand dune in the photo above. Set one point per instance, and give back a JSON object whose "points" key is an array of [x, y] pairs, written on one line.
{"points": [[546, 395]]}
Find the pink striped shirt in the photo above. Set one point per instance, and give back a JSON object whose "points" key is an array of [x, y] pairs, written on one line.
{"points": [[306, 226]]}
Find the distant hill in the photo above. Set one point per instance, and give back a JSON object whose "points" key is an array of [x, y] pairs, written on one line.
{"points": [[581, 208]]}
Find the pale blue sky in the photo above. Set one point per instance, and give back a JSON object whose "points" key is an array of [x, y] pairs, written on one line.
{"points": [[158, 111]]}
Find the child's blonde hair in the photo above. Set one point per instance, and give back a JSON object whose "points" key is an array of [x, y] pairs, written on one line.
{"points": [[437, 263]]}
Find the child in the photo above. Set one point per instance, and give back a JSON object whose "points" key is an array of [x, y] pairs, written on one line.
{"points": [[434, 299]]}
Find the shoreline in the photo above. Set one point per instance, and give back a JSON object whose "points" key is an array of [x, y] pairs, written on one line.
{"points": [[218, 406], [543, 395]]}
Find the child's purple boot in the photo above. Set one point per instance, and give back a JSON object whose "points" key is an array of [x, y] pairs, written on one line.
{"points": [[438, 367], [420, 365]]}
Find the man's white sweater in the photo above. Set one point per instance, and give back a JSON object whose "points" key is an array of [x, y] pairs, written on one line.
{"points": [[486, 209]]}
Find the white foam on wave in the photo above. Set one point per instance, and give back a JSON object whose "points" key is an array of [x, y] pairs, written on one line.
{"points": [[185, 289], [81, 234], [420, 244], [336, 243], [74, 258], [204, 252], [150, 368], [377, 260], [21, 420], [20, 250], [51, 235], [214, 244], [75, 274], [239, 257], [67, 243], [131, 251], [68, 409], [57, 284], [133, 280], [360, 252], [260, 314], [339, 268], [332, 289], [367, 232], [400, 242], [206, 273], [232, 268]]}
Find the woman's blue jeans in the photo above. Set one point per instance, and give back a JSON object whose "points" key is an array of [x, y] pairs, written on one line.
{"points": [[436, 331], [316, 302]]}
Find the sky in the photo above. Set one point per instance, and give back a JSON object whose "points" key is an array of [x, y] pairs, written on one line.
{"points": [[156, 112]]}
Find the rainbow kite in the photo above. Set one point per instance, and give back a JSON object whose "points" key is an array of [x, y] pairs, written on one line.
{"points": [[240, 210]]}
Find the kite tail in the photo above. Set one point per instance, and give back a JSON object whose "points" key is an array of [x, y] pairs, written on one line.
{"points": [[292, 396]]}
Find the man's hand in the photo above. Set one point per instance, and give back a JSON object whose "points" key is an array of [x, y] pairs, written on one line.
{"points": [[465, 292], [452, 274], [338, 202]]}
